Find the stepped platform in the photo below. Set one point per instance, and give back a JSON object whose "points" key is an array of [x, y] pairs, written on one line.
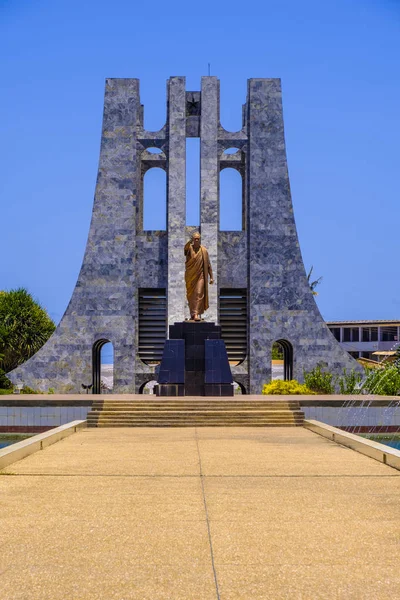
{"points": [[142, 411]]}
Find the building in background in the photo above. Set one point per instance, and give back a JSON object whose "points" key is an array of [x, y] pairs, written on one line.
{"points": [[373, 340]]}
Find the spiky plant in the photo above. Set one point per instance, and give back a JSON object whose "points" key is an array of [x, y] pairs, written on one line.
{"points": [[313, 284]]}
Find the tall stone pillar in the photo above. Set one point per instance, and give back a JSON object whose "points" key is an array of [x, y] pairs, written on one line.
{"points": [[209, 182], [281, 304], [103, 304], [176, 178]]}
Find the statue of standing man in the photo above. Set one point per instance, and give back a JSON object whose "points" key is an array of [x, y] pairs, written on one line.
{"points": [[198, 268]]}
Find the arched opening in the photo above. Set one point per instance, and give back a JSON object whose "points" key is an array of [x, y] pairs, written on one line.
{"points": [[153, 150], [148, 387], [230, 200], [231, 117], [239, 388], [231, 150], [153, 110], [193, 181], [282, 360], [102, 367], [155, 200]]}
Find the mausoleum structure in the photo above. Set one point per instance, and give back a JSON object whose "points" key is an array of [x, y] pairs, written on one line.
{"points": [[131, 285]]}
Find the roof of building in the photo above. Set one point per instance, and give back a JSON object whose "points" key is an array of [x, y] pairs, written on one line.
{"points": [[394, 322]]}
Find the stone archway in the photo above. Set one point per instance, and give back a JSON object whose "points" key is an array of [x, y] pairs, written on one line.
{"points": [[287, 350], [96, 364]]}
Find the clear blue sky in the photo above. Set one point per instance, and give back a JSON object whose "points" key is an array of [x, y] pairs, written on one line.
{"points": [[339, 64]]}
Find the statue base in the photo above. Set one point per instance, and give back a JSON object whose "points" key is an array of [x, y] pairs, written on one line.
{"points": [[195, 362]]}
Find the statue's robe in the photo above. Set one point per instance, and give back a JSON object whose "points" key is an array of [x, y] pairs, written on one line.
{"points": [[198, 268]]}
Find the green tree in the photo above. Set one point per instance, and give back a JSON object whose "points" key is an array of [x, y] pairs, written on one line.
{"points": [[24, 327], [277, 351]]}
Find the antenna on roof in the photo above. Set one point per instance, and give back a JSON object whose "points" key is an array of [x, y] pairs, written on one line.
{"points": [[209, 69]]}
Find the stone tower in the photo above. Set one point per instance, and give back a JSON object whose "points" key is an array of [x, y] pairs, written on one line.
{"points": [[131, 284]]}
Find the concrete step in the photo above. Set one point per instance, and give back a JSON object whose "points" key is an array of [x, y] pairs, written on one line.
{"points": [[202, 412], [195, 412], [195, 400], [195, 424], [193, 407], [230, 415], [251, 417], [196, 419]]}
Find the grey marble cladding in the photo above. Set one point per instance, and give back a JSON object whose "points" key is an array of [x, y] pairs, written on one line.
{"points": [[281, 305], [232, 263], [209, 182], [152, 259], [355, 416], [120, 257], [41, 416]]}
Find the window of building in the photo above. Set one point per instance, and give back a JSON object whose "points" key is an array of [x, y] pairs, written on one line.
{"points": [[365, 334], [389, 334], [336, 332], [351, 334]]}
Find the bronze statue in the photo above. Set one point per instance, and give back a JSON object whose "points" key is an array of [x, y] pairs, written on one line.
{"points": [[198, 268]]}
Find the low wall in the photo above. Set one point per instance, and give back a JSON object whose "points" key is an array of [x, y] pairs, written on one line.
{"points": [[41, 412], [38, 413], [381, 452], [362, 412], [21, 450]]}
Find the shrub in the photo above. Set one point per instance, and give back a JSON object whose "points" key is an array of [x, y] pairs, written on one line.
{"points": [[285, 388], [319, 381], [5, 383], [277, 351], [27, 390], [383, 381], [349, 383]]}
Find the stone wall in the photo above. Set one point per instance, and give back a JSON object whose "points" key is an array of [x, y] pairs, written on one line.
{"points": [[263, 257]]}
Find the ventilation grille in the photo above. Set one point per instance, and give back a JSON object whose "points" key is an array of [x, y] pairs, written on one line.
{"points": [[152, 324], [233, 322]]}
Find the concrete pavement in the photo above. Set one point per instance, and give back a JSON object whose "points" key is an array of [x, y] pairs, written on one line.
{"points": [[207, 513]]}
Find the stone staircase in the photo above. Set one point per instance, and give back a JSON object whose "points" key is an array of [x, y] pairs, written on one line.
{"points": [[198, 412]]}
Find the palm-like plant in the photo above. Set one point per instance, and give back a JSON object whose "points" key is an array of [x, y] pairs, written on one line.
{"points": [[313, 284]]}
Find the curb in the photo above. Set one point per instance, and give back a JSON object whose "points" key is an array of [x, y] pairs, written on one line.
{"points": [[21, 450], [380, 452]]}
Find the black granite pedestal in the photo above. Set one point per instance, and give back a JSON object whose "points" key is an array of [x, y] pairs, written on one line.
{"points": [[195, 362]]}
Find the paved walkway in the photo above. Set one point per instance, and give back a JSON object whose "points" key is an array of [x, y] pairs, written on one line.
{"points": [[183, 514]]}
